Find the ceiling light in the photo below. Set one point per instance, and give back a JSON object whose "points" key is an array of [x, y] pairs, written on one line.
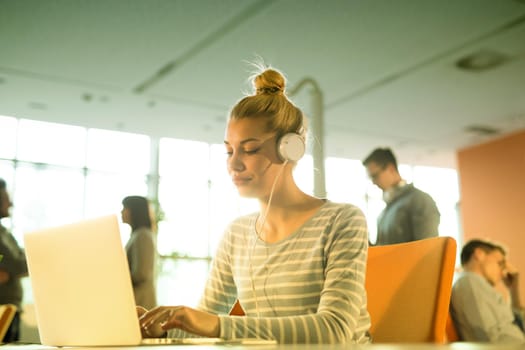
{"points": [[481, 60], [481, 130], [37, 105]]}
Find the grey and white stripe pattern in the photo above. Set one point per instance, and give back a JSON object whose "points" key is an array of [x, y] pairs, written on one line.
{"points": [[307, 288]]}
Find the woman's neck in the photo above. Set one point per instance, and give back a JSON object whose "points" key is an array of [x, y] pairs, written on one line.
{"points": [[285, 215]]}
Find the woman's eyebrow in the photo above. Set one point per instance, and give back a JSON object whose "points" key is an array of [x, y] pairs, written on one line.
{"points": [[247, 140]]}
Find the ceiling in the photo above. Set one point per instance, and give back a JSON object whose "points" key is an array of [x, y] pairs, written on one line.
{"points": [[387, 70]]}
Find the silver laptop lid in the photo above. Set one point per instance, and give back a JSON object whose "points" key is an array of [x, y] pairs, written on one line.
{"points": [[81, 285]]}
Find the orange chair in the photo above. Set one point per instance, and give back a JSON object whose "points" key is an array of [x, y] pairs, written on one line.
{"points": [[451, 331], [408, 287], [7, 312], [237, 309]]}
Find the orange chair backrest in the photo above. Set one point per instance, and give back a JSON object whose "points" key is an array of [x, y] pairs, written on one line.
{"points": [[237, 309], [451, 331], [408, 290]]}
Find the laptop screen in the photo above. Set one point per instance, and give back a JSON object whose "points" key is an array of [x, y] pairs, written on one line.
{"points": [[81, 285]]}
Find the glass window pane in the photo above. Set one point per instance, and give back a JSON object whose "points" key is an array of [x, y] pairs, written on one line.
{"points": [[373, 209], [51, 143], [118, 151], [8, 128], [46, 196], [7, 171], [183, 196], [181, 281], [443, 185], [105, 191], [406, 172], [304, 174], [346, 181]]}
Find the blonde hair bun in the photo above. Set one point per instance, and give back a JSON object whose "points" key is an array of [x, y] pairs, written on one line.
{"points": [[270, 82]]}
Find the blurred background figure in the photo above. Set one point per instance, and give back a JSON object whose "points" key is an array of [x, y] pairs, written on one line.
{"points": [[410, 214], [13, 267], [141, 249], [481, 310]]}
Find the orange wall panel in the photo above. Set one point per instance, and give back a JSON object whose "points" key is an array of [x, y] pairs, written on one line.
{"points": [[492, 187]]}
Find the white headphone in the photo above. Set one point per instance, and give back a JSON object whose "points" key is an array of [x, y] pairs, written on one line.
{"points": [[291, 147]]}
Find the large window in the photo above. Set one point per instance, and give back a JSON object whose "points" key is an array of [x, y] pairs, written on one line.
{"points": [[8, 127], [183, 194], [46, 195], [50, 143], [60, 173], [117, 165]]}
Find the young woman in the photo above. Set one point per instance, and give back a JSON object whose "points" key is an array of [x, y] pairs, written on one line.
{"points": [[298, 265], [141, 250]]}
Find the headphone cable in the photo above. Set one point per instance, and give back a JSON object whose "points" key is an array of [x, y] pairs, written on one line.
{"points": [[261, 236]]}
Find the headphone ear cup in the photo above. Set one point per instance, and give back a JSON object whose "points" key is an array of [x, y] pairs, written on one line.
{"points": [[291, 147]]}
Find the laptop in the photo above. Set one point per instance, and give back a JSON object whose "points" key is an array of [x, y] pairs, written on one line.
{"points": [[81, 285], [82, 288]]}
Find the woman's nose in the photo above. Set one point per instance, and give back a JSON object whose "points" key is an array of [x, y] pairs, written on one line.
{"points": [[235, 162]]}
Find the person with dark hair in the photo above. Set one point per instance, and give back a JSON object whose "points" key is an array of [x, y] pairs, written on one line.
{"points": [[141, 249], [410, 214], [297, 266], [13, 267], [480, 311]]}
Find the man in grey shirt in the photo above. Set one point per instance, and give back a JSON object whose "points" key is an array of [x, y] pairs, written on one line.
{"points": [[481, 311], [410, 214]]}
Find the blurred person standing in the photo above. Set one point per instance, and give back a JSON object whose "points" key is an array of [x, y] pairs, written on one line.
{"points": [[410, 214], [141, 249], [13, 267]]}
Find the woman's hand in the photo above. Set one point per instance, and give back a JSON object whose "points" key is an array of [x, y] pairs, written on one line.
{"points": [[157, 321], [145, 332]]}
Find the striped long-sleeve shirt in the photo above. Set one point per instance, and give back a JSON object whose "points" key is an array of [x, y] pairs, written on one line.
{"points": [[306, 288]]}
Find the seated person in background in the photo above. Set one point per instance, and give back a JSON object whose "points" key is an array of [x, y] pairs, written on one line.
{"points": [[410, 214], [298, 265], [141, 249], [481, 313], [13, 267]]}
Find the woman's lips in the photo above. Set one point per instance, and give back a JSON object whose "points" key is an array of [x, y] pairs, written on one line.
{"points": [[240, 181]]}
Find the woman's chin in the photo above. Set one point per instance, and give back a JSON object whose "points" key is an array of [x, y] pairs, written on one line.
{"points": [[246, 193]]}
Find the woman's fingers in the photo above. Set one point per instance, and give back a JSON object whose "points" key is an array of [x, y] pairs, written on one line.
{"points": [[193, 321], [151, 322], [141, 311], [157, 321]]}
